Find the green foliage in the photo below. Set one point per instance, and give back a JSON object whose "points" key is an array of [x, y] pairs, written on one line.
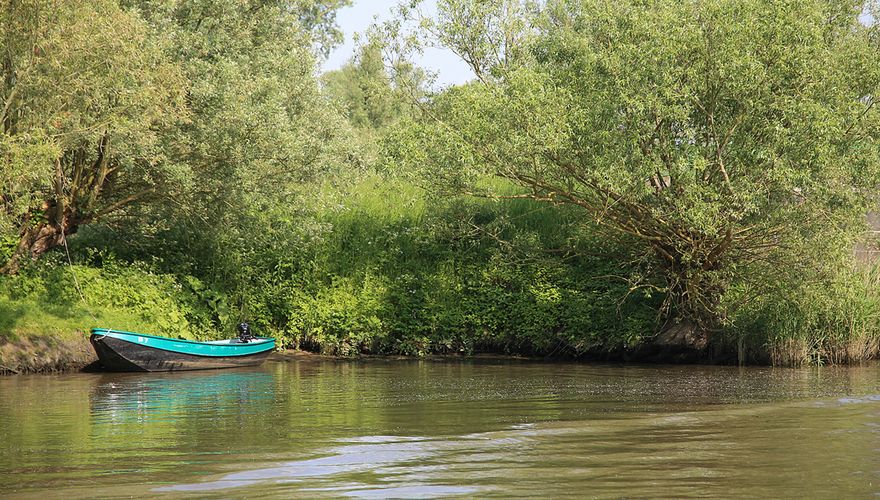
{"points": [[374, 94], [84, 90], [712, 133], [94, 118], [632, 162], [258, 126], [345, 317], [380, 271], [393, 276], [490, 35], [371, 96], [318, 18], [44, 300], [832, 320]]}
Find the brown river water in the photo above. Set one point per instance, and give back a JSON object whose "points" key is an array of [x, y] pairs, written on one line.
{"points": [[429, 429]]}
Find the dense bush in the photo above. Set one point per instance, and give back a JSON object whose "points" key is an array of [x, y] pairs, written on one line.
{"points": [[834, 319], [391, 275], [384, 271], [378, 273], [54, 298]]}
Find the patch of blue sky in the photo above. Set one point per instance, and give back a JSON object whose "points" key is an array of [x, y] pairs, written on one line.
{"points": [[449, 69]]}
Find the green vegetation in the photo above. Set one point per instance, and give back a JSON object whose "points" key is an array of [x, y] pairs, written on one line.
{"points": [[45, 299], [713, 143], [620, 177], [381, 274]]}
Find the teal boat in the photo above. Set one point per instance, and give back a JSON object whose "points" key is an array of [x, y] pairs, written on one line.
{"points": [[128, 351]]}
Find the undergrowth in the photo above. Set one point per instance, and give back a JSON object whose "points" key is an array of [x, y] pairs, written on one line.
{"points": [[374, 267]]}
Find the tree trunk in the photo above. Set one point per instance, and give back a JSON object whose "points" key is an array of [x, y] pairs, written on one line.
{"points": [[37, 239], [683, 335], [695, 284]]}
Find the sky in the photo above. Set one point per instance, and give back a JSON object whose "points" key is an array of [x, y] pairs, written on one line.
{"points": [[357, 18]]}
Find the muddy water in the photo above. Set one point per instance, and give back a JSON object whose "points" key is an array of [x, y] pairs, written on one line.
{"points": [[427, 429]]}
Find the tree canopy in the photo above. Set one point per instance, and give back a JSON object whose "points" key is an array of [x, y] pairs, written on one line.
{"points": [[714, 133], [85, 90], [194, 103]]}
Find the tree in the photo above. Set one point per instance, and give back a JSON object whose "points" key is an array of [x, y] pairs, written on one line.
{"points": [[371, 95], [259, 136], [489, 35], [318, 18], [84, 90], [257, 123], [714, 134], [199, 104]]}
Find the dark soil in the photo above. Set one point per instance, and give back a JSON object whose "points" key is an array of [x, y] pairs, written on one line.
{"points": [[45, 355]]}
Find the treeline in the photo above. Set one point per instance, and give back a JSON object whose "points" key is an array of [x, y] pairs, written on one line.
{"points": [[619, 178]]}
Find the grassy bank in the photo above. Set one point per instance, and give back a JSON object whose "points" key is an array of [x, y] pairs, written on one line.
{"points": [[44, 321], [835, 320], [385, 272], [380, 272], [45, 300]]}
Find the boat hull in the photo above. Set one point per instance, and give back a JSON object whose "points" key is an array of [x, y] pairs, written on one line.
{"points": [[130, 355]]}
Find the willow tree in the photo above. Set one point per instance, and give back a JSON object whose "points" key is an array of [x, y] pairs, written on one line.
{"points": [[192, 106], [371, 95], [83, 91], [258, 134], [257, 124], [712, 133]]}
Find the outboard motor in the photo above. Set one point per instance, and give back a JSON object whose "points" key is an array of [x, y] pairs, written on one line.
{"points": [[244, 332]]}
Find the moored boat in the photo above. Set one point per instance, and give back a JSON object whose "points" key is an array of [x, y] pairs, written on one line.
{"points": [[127, 352]]}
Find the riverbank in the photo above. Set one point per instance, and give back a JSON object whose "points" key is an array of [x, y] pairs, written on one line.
{"points": [[45, 354], [52, 355], [49, 354], [55, 355], [73, 353], [393, 275]]}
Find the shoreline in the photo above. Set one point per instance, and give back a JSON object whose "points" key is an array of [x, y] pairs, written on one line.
{"points": [[49, 355], [45, 355], [53, 355]]}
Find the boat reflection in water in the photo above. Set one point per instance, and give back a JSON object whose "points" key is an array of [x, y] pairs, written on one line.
{"points": [[178, 398]]}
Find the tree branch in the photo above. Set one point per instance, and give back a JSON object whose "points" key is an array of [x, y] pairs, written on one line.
{"points": [[117, 205]]}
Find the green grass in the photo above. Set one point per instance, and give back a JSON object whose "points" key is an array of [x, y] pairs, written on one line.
{"points": [[832, 319], [28, 318], [44, 300]]}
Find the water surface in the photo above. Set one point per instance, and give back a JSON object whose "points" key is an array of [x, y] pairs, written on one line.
{"points": [[428, 429]]}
